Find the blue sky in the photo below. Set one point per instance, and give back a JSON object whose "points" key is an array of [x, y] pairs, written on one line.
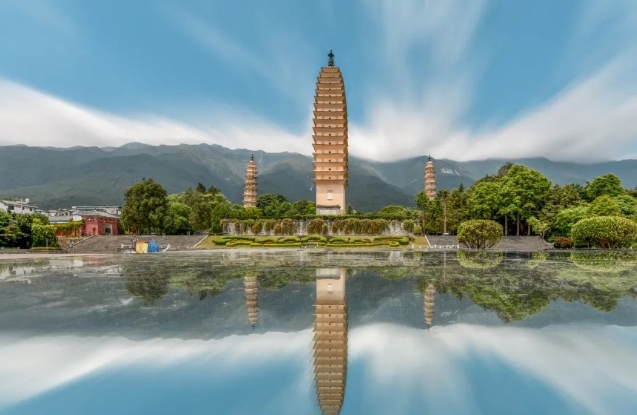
{"points": [[457, 79]]}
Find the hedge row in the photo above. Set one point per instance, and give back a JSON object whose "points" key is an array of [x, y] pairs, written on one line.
{"points": [[232, 241]]}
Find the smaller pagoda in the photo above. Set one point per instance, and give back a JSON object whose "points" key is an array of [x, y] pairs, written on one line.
{"points": [[250, 288], [430, 305], [250, 190], [430, 180]]}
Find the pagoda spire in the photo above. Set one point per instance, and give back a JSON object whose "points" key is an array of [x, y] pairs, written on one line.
{"points": [[250, 189], [330, 58]]}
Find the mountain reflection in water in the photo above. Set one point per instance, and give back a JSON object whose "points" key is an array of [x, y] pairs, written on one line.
{"points": [[271, 333]]}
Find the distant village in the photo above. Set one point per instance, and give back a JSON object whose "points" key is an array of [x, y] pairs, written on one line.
{"points": [[95, 220]]}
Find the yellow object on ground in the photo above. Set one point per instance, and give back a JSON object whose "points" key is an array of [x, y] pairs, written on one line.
{"points": [[141, 247]]}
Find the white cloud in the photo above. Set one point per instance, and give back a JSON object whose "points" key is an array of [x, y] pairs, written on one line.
{"points": [[29, 367], [34, 118], [592, 366], [578, 123]]}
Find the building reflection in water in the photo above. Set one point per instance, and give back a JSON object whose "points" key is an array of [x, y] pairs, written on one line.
{"points": [[250, 287], [330, 339], [430, 304]]}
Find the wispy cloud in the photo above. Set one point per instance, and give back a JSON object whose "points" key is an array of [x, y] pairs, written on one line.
{"points": [[591, 367], [273, 53], [577, 123], [31, 117]]}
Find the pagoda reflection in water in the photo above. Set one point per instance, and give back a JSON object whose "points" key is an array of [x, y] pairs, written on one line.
{"points": [[250, 287], [330, 339]]}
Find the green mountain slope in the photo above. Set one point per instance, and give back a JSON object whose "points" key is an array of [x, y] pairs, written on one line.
{"points": [[53, 177]]}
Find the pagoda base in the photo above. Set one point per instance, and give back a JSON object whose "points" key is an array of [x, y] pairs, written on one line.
{"points": [[332, 210]]}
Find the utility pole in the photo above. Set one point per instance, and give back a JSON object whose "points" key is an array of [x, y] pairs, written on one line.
{"points": [[444, 231]]}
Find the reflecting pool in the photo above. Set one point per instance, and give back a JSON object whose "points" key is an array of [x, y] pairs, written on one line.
{"points": [[235, 332]]}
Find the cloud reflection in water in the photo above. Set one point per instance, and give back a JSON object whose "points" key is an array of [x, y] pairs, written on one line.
{"points": [[589, 368]]}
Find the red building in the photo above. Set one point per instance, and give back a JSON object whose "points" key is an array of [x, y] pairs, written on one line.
{"points": [[92, 222], [99, 223]]}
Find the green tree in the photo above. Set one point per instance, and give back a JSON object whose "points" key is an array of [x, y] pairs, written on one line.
{"points": [[10, 232], [608, 184], [273, 206], [526, 190], [145, 206], [42, 234], [177, 220], [566, 218], [604, 206], [302, 207], [627, 205], [350, 209], [485, 200]]}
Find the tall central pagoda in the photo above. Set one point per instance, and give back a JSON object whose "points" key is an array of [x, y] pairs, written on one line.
{"points": [[250, 189], [330, 339], [330, 141]]}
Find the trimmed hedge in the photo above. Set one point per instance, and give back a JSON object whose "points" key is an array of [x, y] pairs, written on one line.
{"points": [[479, 234], [314, 238], [605, 231]]}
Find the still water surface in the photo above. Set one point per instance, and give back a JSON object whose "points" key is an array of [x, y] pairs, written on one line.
{"points": [[312, 333]]}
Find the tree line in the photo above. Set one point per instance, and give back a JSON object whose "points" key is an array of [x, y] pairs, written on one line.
{"points": [[523, 200], [25, 231]]}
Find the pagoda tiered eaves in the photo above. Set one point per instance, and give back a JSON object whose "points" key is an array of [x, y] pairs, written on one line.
{"points": [[250, 189], [330, 136]]}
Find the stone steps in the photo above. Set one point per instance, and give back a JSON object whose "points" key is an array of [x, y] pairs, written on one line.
{"points": [[110, 244], [508, 243]]}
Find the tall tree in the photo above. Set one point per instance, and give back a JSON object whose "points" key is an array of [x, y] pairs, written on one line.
{"points": [[145, 206], [526, 190], [608, 184]]}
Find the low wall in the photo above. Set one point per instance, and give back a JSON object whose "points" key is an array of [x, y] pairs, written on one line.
{"points": [[334, 227]]}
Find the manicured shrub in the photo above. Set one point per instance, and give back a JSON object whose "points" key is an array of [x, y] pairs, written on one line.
{"points": [[283, 245], [288, 227], [314, 238], [315, 226], [267, 239], [238, 242], [387, 238], [394, 244], [324, 229], [608, 232], [256, 227], [277, 229], [409, 225], [562, 242], [288, 239], [269, 224], [479, 234], [338, 239], [417, 230]]}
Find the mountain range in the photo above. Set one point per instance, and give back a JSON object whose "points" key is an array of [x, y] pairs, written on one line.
{"points": [[64, 177]]}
